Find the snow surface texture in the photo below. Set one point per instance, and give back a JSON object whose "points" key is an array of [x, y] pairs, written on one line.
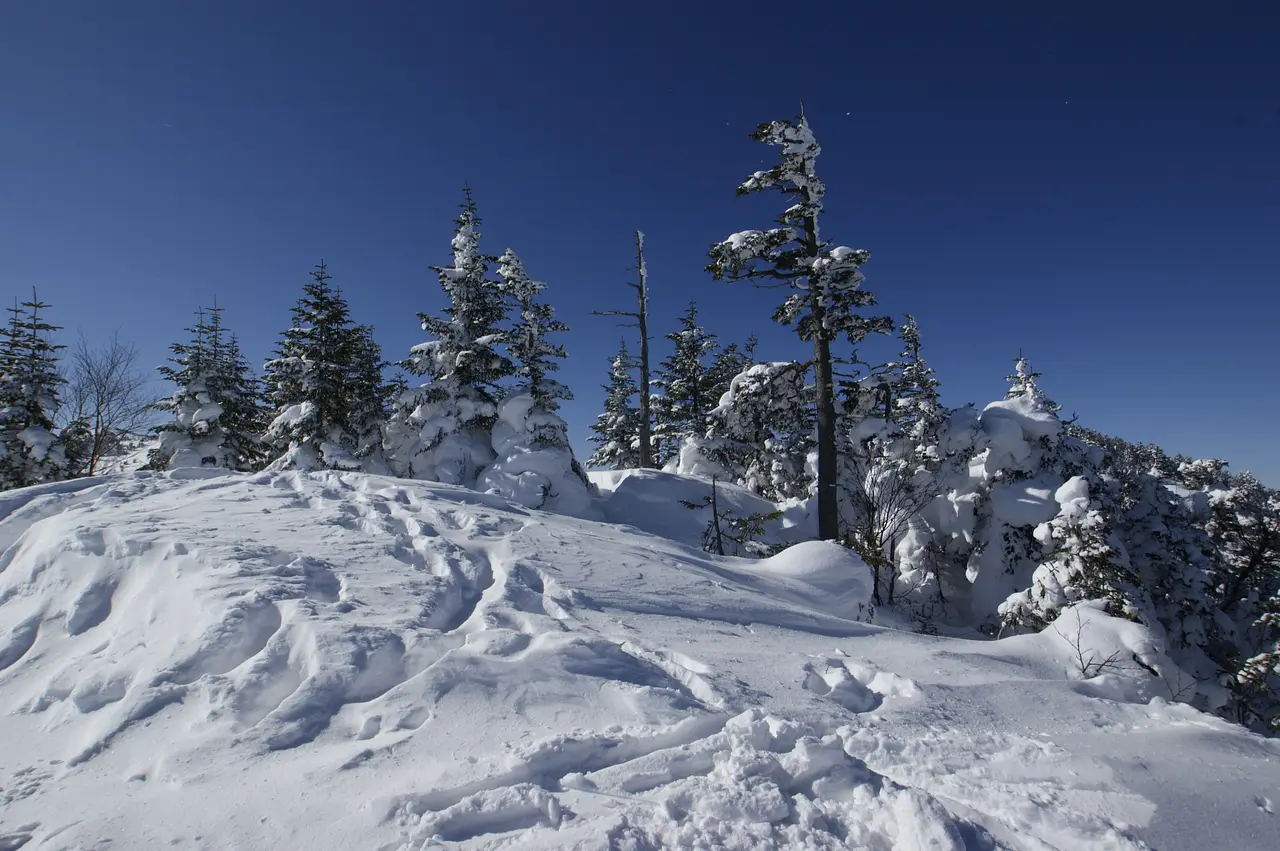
{"points": [[326, 660]]}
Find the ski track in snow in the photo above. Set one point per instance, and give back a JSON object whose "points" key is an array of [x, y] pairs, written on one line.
{"points": [[254, 661]]}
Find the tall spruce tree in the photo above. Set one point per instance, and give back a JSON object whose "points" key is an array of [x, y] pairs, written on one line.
{"points": [[687, 381], [315, 386], [826, 280], [616, 432], [30, 453], [442, 430]]}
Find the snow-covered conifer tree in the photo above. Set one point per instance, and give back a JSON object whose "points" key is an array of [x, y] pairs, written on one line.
{"points": [[616, 432], [534, 463], [442, 430], [314, 384], [30, 453], [687, 383], [1245, 528], [917, 410], [1086, 561], [761, 434], [1023, 382], [371, 397], [217, 414], [826, 281]]}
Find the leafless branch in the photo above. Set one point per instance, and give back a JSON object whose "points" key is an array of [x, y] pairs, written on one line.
{"points": [[1090, 663], [106, 396]]}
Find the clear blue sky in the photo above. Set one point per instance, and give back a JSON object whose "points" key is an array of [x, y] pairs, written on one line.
{"points": [[1097, 185]]}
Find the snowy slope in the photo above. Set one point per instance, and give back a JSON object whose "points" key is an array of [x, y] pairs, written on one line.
{"points": [[335, 661]]}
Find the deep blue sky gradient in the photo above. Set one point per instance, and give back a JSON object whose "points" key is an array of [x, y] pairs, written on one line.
{"points": [[1097, 185]]}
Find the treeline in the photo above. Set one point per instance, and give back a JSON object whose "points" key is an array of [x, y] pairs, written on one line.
{"points": [[994, 519]]}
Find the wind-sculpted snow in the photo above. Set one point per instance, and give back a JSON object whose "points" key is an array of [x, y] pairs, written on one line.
{"points": [[342, 661]]}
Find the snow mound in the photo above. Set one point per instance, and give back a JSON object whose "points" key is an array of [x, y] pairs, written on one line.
{"points": [[337, 660], [820, 574], [652, 501]]}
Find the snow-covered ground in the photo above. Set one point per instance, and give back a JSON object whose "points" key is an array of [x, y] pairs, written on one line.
{"points": [[327, 661]]}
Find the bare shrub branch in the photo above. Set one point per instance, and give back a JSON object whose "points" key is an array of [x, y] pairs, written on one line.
{"points": [[1090, 663]]}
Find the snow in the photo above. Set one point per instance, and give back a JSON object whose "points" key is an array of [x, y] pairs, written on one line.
{"points": [[652, 501], [1027, 413], [290, 659], [1026, 503]]}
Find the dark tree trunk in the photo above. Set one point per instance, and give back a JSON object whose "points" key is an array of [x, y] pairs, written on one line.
{"points": [[824, 401], [828, 505], [642, 319]]}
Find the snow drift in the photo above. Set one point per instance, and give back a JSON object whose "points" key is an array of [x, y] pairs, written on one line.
{"points": [[330, 660]]}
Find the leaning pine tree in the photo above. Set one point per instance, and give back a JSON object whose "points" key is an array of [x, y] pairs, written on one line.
{"points": [[826, 281], [443, 430], [616, 432], [534, 463]]}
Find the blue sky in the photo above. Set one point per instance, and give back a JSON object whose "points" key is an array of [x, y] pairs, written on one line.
{"points": [[1096, 186]]}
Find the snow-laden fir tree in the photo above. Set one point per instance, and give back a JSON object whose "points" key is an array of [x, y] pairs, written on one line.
{"points": [[616, 432], [30, 452], [687, 382], [1023, 382], [317, 385], [825, 279], [534, 463], [442, 430], [760, 436], [217, 413], [1255, 681], [1244, 526], [1086, 561], [917, 410]]}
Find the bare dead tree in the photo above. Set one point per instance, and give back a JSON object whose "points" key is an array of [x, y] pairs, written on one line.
{"points": [[106, 397], [641, 317]]}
